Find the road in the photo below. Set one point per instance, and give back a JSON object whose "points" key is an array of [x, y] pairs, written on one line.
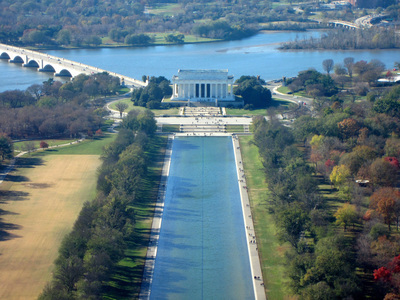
{"points": [[292, 98]]}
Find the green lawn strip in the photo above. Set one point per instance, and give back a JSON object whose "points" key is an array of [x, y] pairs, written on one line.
{"points": [[234, 128], [245, 112], [87, 147], [284, 90], [124, 90], [157, 112], [127, 278], [171, 128], [280, 102], [127, 101], [270, 251], [165, 9], [51, 142], [159, 38], [168, 111]]}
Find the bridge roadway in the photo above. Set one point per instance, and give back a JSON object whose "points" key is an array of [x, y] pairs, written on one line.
{"points": [[57, 65]]}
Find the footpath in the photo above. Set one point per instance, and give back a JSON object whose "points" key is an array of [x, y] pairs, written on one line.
{"points": [[255, 265], [156, 225]]}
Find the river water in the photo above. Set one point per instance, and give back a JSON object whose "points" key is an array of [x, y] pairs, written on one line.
{"points": [[257, 55]]}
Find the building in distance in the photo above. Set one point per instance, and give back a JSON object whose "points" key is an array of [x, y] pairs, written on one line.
{"points": [[214, 86]]}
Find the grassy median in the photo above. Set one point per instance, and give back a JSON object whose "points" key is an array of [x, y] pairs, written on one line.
{"points": [[270, 251]]}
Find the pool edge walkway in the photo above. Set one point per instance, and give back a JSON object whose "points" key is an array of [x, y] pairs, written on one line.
{"points": [[255, 265]]}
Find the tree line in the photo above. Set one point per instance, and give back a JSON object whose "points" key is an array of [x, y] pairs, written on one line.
{"points": [[107, 224], [344, 39], [87, 22], [337, 250], [54, 109]]}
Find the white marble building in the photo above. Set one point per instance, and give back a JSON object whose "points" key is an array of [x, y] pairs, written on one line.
{"points": [[203, 86]]}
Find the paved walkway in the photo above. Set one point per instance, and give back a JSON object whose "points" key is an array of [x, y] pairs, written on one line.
{"points": [[156, 225], [255, 265]]}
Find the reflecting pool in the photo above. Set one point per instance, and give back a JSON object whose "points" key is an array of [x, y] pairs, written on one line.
{"points": [[202, 251]]}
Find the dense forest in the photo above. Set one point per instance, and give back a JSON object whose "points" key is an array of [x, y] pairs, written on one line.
{"points": [[333, 183]]}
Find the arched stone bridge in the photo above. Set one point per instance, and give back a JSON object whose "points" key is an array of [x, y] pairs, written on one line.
{"points": [[56, 65]]}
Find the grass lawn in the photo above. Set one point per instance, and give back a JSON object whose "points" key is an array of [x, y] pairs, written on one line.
{"points": [[245, 112], [171, 128], [169, 111], [165, 9], [270, 251], [157, 112], [284, 89], [127, 101], [235, 128], [87, 147], [19, 146], [40, 201], [160, 38]]}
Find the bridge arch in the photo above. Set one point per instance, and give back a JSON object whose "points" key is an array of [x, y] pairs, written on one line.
{"points": [[32, 64], [17, 59], [4, 55], [64, 73], [48, 68]]}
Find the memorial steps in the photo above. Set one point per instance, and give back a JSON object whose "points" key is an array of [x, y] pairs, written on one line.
{"points": [[202, 111]]}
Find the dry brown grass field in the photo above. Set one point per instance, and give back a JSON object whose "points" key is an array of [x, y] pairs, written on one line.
{"points": [[39, 204]]}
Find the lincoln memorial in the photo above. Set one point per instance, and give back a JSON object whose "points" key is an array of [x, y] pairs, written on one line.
{"points": [[203, 86]]}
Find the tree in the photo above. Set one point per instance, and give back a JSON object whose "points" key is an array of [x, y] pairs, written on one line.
{"points": [[346, 215], [360, 156], [253, 93], [29, 146], [175, 38], [121, 107], [99, 132], [328, 64], [292, 221], [348, 128], [6, 147], [44, 145], [339, 69], [349, 63], [340, 175], [386, 201], [383, 173]]}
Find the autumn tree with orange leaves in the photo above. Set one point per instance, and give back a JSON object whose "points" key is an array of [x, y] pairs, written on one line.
{"points": [[348, 128], [386, 201]]}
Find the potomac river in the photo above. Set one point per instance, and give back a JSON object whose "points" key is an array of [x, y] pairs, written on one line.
{"points": [[257, 55]]}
